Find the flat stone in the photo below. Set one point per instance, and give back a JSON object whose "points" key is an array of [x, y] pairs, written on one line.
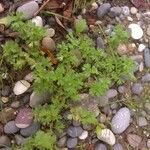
{"points": [[4, 141], [107, 136], [10, 128], [121, 120], [100, 146], [72, 142], [103, 10], [141, 121], [28, 9], [137, 88], [74, 131], [134, 140], [30, 130], [24, 118], [147, 57]]}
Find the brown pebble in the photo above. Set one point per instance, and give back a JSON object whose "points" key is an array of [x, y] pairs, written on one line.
{"points": [[5, 99], [48, 43], [1, 8], [122, 49]]}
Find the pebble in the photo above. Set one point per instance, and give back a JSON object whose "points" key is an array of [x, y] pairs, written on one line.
{"points": [[1, 8], [147, 107], [29, 77], [148, 30], [7, 114], [74, 131], [72, 142], [111, 93], [19, 139], [137, 88], [141, 66], [94, 6], [10, 128], [147, 57], [115, 11], [76, 123], [1, 129], [134, 140], [21, 87], [122, 89], [125, 10], [15, 104], [136, 31], [148, 143], [50, 32], [4, 141], [100, 146], [62, 142], [117, 146], [48, 43], [133, 10], [122, 49], [141, 121], [38, 99], [6, 90], [141, 48], [129, 18], [121, 120], [102, 100], [84, 135], [100, 43], [107, 136], [38, 21], [28, 9], [29, 131], [24, 118], [103, 10], [146, 77], [5, 99]]}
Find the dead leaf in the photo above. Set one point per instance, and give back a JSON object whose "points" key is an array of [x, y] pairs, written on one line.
{"points": [[54, 4], [59, 22]]}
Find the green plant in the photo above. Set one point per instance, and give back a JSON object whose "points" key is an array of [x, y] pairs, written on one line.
{"points": [[41, 141], [80, 25]]}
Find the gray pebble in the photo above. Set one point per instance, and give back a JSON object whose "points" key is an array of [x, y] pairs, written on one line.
{"points": [[125, 10], [32, 129], [61, 142], [103, 10], [19, 139], [137, 88], [4, 141], [72, 142], [100, 146], [147, 57], [5, 90], [100, 43], [146, 77], [122, 89], [111, 93], [115, 11], [74, 131], [148, 143], [26, 99], [28, 9], [10, 128], [117, 146], [15, 104], [141, 121]]}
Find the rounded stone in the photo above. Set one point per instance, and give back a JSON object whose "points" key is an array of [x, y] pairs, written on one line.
{"points": [[28, 9], [134, 140], [50, 32], [15, 104], [74, 131], [137, 88], [72, 142], [21, 87], [122, 49], [10, 128], [146, 77], [125, 10], [19, 139], [4, 141], [141, 47], [29, 131], [136, 31], [103, 10], [117, 146], [107, 136], [84, 135], [48, 43], [24, 118], [121, 120], [38, 21], [5, 90], [133, 10], [115, 11], [111, 93], [141, 121], [122, 89], [29, 77], [100, 146]]}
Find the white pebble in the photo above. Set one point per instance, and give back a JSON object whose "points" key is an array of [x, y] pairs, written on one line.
{"points": [[107, 136], [38, 21], [21, 87], [29, 77], [50, 32], [136, 31], [129, 18], [84, 135], [94, 6], [141, 47], [133, 10], [141, 66]]}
